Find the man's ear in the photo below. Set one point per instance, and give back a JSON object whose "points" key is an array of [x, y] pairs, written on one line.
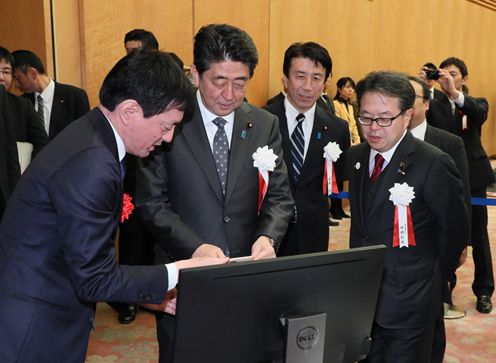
{"points": [[129, 110], [195, 75], [32, 73]]}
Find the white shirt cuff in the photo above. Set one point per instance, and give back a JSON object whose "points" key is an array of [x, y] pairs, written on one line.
{"points": [[173, 275], [460, 101]]}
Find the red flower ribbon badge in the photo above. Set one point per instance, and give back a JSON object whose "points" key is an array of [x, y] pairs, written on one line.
{"points": [[401, 196], [127, 207], [265, 160], [331, 155]]}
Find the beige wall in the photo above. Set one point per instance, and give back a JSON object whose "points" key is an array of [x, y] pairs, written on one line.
{"points": [[361, 35]]}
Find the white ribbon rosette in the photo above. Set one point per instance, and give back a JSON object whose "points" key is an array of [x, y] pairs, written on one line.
{"points": [[264, 160], [401, 196], [332, 151]]}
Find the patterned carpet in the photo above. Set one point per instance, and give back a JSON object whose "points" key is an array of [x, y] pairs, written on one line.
{"points": [[470, 340]]}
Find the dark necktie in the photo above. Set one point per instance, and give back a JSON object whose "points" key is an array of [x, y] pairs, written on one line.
{"points": [[40, 111], [298, 146], [122, 165], [379, 161], [221, 152]]}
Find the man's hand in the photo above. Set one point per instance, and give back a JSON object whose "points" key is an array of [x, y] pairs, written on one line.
{"points": [[208, 250], [201, 261], [447, 84], [168, 305], [262, 249]]}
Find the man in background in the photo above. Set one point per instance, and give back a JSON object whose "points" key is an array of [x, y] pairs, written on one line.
{"points": [[21, 113], [140, 39], [453, 146], [306, 130], [464, 115], [56, 103], [199, 196], [428, 73]]}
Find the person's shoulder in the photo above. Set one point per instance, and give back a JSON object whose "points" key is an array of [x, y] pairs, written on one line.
{"points": [[255, 112], [329, 118]]}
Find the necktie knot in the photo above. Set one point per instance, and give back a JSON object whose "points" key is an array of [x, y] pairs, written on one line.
{"points": [[378, 163], [300, 118], [219, 122]]}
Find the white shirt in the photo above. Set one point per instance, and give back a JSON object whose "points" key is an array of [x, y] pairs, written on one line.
{"points": [[172, 273], [47, 96], [387, 155], [292, 113], [211, 128], [419, 131]]}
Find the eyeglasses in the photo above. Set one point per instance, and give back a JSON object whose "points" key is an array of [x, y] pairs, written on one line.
{"points": [[381, 121], [5, 72]]}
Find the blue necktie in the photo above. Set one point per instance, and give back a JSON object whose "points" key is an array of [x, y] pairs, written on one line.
{"points": [[221, 152], [298, 146]]}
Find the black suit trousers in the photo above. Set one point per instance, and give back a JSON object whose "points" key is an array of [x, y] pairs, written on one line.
{"points": [[481, 250]]}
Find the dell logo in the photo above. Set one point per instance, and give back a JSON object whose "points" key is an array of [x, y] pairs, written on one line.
{"points": [[307, 338]]}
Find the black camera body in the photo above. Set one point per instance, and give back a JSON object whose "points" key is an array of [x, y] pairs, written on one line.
{"points": [[432, 74]]}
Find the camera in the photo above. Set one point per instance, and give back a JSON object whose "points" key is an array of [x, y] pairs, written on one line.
{"points": [[432, 74]]}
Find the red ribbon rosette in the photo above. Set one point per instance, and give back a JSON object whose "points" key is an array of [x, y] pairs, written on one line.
{"points": [[401, 196], [127, 207], [265, 160], [331, 155]]}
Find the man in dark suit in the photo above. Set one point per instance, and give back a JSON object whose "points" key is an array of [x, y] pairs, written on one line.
{"points": [[56, 238], [26, 122], [201, 195], [463, 115], [306, 68], [408, 195], [453, 146], [57, 104], [9, 161]]}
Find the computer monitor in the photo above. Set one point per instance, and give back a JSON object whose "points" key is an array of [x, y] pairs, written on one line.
{"points": [[279, 310]]}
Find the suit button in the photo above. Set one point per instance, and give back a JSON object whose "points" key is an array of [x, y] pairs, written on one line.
{"points": [[227, 219]]}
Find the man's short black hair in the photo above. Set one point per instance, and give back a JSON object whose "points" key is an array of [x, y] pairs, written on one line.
{"points": [[147, 39], [223, 42], [152, 79], [311, 50], [6, 56], [25, 59], [426, 92], [457, 62], [389, 84]]}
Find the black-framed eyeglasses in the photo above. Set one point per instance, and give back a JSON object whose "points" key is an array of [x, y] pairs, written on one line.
{"points": [[381, 121]]}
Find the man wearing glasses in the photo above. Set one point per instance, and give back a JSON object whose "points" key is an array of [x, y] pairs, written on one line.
{"points": [[406, 195]]}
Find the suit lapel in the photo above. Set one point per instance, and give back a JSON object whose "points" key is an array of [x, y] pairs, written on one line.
{"points": [[197, 140], [361, 167], [286, 143], [56, 110], [240, 141], [315, 146]]}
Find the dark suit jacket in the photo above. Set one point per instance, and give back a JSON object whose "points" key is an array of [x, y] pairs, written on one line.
{"points": [[57, 249], [440, 115], [9, 160], [69, 104], [453, 146], [438, 94], [410, 294], [27, 123], [180, 197], [312, 205]]}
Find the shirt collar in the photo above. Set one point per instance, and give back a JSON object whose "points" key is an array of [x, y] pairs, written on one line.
{"points": [[208, 116], [292, 112], [47, 93], [419, 130], [387, 155], [121, 148]]}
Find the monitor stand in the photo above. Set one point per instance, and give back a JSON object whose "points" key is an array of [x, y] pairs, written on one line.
{"points": [[305, 338]]}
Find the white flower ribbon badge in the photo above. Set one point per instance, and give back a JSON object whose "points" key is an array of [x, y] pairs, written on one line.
{"points": [[265, 160], [401, 196], [331, 155]]}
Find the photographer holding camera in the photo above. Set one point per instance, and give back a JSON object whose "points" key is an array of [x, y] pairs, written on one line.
{"points": [[463, 115], [429, 73]]}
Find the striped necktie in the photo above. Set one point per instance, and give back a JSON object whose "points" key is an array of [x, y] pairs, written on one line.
{"points": [[298, 146]]}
